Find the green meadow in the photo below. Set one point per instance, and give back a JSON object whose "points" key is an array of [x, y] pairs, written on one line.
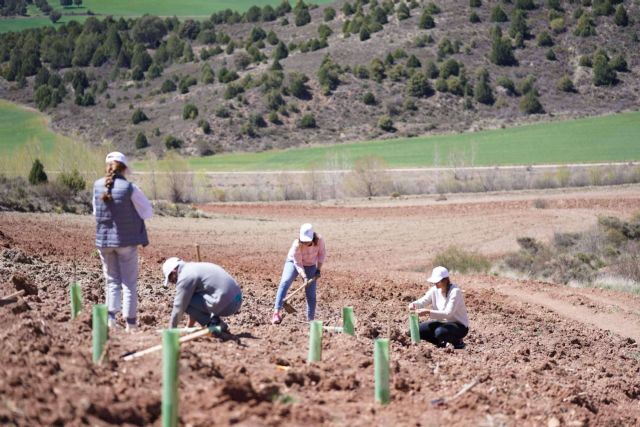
{"points": [[25, 135], [614, 138], [197, 9], [20, 125]]}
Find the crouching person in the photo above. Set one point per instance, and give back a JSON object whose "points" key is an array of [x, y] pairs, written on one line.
{"points": [[444, 303], [203, 290]]}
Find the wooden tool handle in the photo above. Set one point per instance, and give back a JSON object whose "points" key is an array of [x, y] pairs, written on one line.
{"points": [[198, 253], [304, 286], [202, 332], [13, 295]]}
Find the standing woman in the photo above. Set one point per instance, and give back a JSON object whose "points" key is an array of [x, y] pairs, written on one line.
{"points": [[305, 258], [444, 303], [120, 209]]}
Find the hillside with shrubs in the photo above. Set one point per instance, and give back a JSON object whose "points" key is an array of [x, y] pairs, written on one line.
{"points": [[295, 74]]}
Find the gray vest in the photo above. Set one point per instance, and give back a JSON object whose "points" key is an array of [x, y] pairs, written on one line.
{"points": [[117, 222]]}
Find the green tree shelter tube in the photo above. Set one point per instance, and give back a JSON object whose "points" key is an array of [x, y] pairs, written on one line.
{"points": [[414, 327], [99, 317], [347, 321], [170, 355], [381, 371], [315, 341], [75, 293]]}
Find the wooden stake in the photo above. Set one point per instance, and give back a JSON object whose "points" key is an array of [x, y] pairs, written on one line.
{"points": [[198, 253]]}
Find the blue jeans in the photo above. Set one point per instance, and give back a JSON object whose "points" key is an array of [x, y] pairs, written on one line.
{"points": [[201, 313], [120, 268], [289, 274]]}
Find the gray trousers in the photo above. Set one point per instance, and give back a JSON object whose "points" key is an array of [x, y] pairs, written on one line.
{"points": [[120, 268]]}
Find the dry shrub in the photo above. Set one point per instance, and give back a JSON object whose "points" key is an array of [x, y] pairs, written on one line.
{"points": [[540, 204], [463, 261], [368, 177], [176, 179], [547, 180], [563, 176], [611, 248], [17, 195], [566, 240], [177, 210]]}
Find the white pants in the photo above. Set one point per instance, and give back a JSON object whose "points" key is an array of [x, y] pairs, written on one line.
{"points": [[120, 267]]}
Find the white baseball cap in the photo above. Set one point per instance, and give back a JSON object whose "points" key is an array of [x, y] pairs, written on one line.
{"points": [[117, 156], [438, 274], [306, 232], [168, 266]]}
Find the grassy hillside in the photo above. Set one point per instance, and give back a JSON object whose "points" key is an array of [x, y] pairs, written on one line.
{"points": [[25, 135], [20, 125], [276, 78], [602, 139], [181, 8], [196, 9]]}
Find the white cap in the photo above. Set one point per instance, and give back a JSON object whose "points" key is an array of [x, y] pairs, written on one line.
{"points": [[438, 274], [168, 266], [306, 232], [117, 156]]}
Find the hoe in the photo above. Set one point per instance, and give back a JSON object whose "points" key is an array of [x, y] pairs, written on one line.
{"points": [[288, 307]]}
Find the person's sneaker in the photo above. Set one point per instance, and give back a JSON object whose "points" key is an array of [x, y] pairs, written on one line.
{"points": [[216, 321], [459, 345], [277, 318], [112, 324], [131, 327]]}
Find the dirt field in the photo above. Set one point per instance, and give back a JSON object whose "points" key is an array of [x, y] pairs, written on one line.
{"points": [[541, 354]]}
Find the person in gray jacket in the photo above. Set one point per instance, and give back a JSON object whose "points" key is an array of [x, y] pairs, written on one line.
{"points": [[205, 291]]}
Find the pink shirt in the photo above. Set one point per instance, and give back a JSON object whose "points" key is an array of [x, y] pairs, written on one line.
{"points": [[302, 255]]}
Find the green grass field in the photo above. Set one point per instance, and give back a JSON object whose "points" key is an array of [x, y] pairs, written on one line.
{"points": [[614, 138], [25, 135], [19, 125], [198, 9]]}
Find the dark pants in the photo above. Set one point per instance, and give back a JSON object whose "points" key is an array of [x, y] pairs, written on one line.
{"points": [[440, 333], [201, 313]]}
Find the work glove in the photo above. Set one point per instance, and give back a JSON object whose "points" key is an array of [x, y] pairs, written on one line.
{"points": [[317, 273]]}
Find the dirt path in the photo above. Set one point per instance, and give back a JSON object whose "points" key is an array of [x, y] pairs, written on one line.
{"points": [[601, 309]]}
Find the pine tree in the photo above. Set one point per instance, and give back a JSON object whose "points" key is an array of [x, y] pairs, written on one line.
{"points": [[621, 18], [502, 52], [530, 104], [603, 73], [482, 91], [37, 174]]}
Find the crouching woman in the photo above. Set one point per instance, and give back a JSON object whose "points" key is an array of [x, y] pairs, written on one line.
{"points": [[444, 304]]}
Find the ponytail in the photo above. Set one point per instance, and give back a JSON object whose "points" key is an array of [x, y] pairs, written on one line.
{"points": [[113, 168]]}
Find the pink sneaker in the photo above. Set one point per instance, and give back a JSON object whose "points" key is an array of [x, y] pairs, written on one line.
{"points": [[277, 318]]}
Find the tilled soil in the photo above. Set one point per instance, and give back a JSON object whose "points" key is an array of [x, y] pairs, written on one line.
{"points": [[531, 365]]}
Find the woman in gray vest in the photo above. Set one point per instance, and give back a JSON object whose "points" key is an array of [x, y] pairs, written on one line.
{"points": [[120, 209]]}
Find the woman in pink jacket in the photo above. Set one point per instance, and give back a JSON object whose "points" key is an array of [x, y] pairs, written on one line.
{"points": [[305, 258]]}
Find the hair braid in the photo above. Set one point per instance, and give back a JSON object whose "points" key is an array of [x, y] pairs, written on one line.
{"points": [[113, 168]]}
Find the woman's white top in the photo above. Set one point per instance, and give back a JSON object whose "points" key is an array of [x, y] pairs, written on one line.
{"points": [[447, 309]]}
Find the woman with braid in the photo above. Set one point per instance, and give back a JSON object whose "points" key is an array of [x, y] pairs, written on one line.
{"points": [[120, 209]]}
